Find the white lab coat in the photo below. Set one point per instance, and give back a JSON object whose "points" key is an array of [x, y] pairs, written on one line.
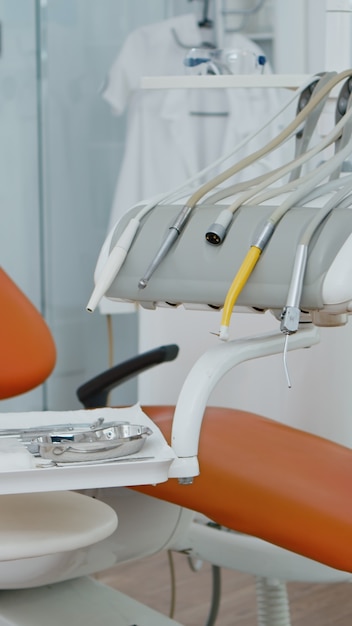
{"points": [[165, 142], [164, 146]]}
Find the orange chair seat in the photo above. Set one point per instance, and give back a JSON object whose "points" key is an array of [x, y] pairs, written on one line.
{"points": [[268, 480], [28, 351]]}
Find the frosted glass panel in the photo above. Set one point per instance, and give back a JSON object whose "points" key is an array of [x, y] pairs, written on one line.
{"points": [[83, 146], [60, 154], [19, 207], [19, 242]]}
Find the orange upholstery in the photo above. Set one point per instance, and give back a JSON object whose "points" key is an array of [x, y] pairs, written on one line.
{"points": [[27, 347], [257, 476], [266, 479]]}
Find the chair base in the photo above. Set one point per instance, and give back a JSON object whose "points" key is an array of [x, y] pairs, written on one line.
{"points": [[82, 601]]}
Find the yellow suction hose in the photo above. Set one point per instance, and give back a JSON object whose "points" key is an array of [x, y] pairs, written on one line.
{"points": [[247, 267]]}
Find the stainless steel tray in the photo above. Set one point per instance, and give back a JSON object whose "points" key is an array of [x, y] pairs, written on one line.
{"points": [[27, 434], [30, 435], [109, 442]]}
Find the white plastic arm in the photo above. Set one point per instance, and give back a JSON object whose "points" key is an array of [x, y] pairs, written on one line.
{"points": [[204, 376]]}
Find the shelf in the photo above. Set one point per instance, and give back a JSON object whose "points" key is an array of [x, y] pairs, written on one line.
{"points": [[288, 81]]}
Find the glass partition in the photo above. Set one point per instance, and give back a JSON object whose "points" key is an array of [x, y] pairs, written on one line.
{"points": [[60, 152]]}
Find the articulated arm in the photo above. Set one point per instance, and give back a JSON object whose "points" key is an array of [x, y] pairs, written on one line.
{"points": [[202, 379]]}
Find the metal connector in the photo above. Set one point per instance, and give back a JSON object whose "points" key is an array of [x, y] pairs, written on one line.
{"points": [[188, 480], [216, 234], [264, 236], [290, 320], [217, 231]]}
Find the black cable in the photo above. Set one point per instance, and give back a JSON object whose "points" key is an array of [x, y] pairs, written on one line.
{"points": [[216, 596]]}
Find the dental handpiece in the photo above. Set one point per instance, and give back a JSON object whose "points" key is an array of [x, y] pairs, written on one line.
{"points": [[290, 316], [173, 233]]}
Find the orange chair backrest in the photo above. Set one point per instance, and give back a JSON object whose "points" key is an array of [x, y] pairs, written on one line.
{"points": [[27, 349]]}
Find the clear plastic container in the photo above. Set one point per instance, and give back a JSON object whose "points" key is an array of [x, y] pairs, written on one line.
{"points": [[202, 61]]}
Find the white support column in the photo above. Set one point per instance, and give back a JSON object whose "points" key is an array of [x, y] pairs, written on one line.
{"points": [[338, 34], [290, 45]]}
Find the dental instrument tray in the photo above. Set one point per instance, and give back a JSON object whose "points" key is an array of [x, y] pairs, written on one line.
{"points": [[107, 442], [198, 275], [98, 440]]}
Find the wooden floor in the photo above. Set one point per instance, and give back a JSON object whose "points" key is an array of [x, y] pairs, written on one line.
{"points": [[148, 581]]}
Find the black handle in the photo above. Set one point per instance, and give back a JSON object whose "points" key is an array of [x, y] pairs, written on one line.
{"points": [[94, 393]]}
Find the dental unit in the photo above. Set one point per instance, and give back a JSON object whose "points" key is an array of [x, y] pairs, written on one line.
{"points": [[259, 244], [115, 262], [112, 266], [296, 190], [220, 178], [277, 498]]}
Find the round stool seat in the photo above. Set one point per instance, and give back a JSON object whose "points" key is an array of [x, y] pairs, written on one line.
{"points": [[38, 524]]}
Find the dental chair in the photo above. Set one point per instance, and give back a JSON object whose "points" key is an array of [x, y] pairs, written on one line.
{"points": [[275, 500], [261, 485], [236, 489]]}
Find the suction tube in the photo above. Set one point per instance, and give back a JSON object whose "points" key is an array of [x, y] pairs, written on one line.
{"points": [[242, 276]]}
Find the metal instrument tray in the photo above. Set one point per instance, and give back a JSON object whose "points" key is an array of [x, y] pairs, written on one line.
{"points": [[107, 442]]}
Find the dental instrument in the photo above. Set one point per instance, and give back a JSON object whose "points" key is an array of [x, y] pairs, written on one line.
{"points": [[290, 315], [204, 189], [111, 269], [217, 232], [260, 242], [176, 228], [173, 233]]}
